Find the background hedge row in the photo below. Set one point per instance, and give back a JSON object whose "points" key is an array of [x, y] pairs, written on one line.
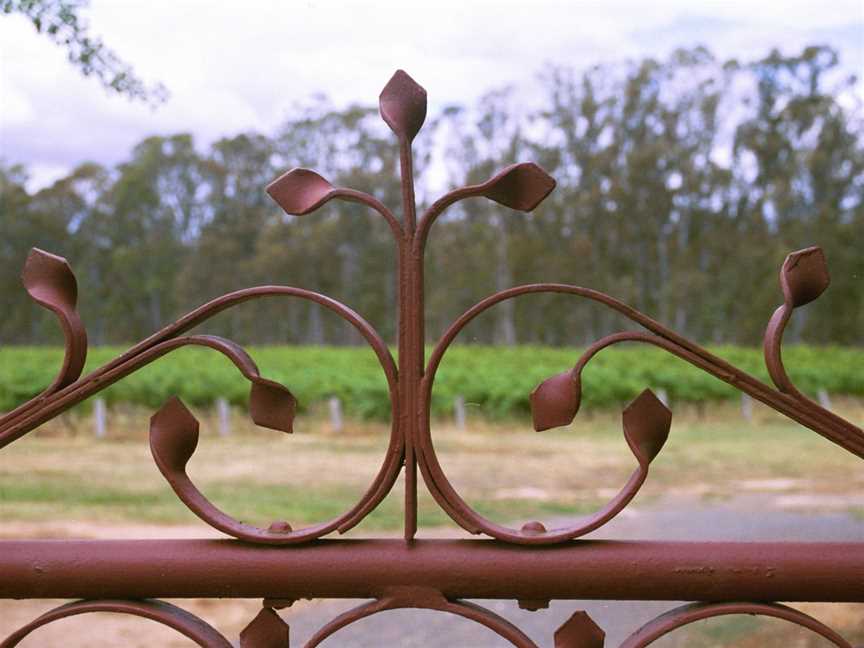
{"points": [[494, 381]]}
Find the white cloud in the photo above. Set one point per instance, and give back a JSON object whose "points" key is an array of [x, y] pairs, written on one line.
{"points": [[239, 66], [15, 107]]}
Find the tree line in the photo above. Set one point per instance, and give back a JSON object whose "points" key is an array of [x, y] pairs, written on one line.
{"points": [[682, 184]]}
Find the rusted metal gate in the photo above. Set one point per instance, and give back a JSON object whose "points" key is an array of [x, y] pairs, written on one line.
{"points": [[531, 564]]}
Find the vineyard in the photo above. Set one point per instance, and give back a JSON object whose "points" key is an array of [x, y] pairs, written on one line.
{"points": [[494, 381]]}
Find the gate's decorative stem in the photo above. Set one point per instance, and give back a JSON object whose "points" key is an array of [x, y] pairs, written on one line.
{"points": [[431, 575]]}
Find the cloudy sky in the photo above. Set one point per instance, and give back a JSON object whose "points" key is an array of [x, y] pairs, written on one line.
{"points": [[233, 66]]}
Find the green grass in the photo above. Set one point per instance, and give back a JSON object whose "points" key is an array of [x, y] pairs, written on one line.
{"points": [[280, 478], [494, 381], [723, 632], [505, 471]]}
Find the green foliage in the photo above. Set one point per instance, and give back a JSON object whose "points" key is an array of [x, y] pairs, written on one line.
{"points": [[494, 381], [60, 21], [683, 182]]}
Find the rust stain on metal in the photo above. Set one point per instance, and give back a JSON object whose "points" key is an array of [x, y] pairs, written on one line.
{"points": [[532, 564]]}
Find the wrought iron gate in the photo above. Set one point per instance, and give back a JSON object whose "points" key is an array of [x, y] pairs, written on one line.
{"points": [[531, 564]]}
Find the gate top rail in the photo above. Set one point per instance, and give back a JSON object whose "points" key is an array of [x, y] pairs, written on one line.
{"points": [[410, 377]]}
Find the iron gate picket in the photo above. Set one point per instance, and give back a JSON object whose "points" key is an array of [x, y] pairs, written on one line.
{"points": [[531, 564]]}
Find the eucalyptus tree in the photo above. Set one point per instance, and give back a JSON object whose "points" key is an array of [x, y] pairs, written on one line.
{"points": [[682, 183], [802, 150], [140, 237]]}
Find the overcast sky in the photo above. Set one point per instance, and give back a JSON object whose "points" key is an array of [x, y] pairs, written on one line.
{"points": [[234, 66]]}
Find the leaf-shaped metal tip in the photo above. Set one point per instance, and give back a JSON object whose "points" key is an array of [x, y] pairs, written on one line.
{"points": [[804, 276], [51, 283], [173, 435], [555, 401], [579, 631], [266, 630], [272, 406], [403, 105], [520, 186], [49, 280], [300, 191], [646, 426]]}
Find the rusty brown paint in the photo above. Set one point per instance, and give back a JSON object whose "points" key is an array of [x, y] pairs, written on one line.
{"points": [[267, 630], [50, 282], [344, 568], [580, 631], [532, 565]]}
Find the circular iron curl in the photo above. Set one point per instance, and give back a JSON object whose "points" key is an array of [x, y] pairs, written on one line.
{"points": [[163, 613], [692, 612], [174, 436], [426, 601], [469, 519], [169, 338], [182, 423]]}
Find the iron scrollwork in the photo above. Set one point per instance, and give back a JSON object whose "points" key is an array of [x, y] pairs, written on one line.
{"points": [[410, 378]]}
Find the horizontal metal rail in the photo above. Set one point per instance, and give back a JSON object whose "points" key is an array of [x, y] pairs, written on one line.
{"points": [[585, 569]]}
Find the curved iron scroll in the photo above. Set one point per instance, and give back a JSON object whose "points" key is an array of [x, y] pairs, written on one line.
{"points": [[410, 379], [555, 402], [268, 630], [418, 598], [165, 614], [687, 614]]}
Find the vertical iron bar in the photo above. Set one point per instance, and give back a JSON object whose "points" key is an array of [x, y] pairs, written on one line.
{"points": [[411, 352]]}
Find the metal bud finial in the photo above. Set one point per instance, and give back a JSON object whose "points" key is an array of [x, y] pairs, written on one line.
{"points": [[403, 105], [804, 276]]}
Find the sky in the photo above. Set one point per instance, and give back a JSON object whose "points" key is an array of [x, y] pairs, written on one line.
{"points": [[240, 66]]}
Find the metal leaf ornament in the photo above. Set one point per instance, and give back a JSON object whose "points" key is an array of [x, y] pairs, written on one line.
{"points": [[403, 105], [300, 191], [555, 402], [521, 186], [646, 426], [272, 405], [173, 435]]}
